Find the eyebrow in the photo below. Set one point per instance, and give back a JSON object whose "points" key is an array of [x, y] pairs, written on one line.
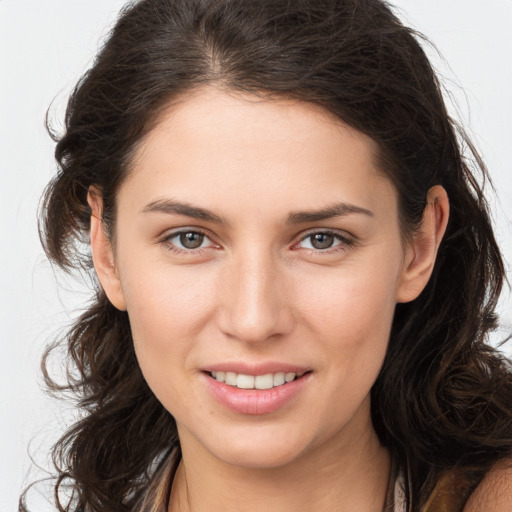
{"points": [[172, 207], [335, 210]]}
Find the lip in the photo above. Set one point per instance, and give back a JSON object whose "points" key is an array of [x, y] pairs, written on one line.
{"points": [[255, 401], [256, 369]]}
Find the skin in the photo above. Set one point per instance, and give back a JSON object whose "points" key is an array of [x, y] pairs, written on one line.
{"points": [[494, 494], [257, 291]]}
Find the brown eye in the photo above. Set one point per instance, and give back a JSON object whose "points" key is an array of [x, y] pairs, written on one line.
{"points": [[322, 240], [191, 239]]}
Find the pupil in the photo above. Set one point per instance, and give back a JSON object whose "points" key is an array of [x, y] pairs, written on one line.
{"points": [[322, 241], [191, 240]]}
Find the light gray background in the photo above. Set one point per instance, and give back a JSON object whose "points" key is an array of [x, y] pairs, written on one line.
{"points": [[45, 45]]}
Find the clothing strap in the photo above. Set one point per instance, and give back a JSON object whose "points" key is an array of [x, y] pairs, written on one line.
{"points": [[449, 495]]}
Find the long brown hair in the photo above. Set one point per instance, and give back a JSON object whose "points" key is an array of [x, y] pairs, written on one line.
{"points": [[442, 399]]}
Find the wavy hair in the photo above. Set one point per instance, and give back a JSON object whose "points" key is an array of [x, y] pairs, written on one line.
{"points": [[442, 399]]}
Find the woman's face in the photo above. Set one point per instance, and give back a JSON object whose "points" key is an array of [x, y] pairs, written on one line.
{"points": [[256, 243]]}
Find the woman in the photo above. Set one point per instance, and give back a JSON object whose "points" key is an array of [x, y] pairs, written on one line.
{"points": [[296, 269]]}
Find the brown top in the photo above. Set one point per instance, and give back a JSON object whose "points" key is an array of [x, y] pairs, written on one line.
{"points": [[449, 495]]}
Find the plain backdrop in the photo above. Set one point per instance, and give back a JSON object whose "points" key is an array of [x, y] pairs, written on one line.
{"points": [[45, 45]]}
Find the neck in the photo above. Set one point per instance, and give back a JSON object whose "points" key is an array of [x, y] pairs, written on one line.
{"points": [[352, 477]]}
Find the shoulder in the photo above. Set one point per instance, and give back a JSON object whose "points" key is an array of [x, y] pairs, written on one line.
{"points": [[494, 493]]}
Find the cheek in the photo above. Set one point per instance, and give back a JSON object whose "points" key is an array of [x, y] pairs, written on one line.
{"points": [[351, 324], [168, 308], [351, 315], [352, 302]]}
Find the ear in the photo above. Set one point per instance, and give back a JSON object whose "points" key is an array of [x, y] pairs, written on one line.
{"points": [[102, 252], [421, 251]]}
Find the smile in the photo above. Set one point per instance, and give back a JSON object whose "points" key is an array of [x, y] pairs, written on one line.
{"points": [[262, 389], [244, 381]]}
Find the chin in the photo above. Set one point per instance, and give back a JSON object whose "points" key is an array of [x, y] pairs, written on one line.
{"points": [[255, 456], [256, 447]]}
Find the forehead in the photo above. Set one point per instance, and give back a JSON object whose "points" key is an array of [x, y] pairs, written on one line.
{"points": [[227, 148]]}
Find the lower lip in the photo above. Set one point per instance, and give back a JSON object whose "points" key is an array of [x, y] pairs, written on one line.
{"points": [[255, 401]]}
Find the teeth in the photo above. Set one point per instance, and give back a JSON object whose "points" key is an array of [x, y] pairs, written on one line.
{"points": [[230, 378], [288, 377], [245, 381], [279, 379], [242, 381], [264, 381]]}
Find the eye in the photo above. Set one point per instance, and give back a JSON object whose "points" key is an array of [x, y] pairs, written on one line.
{"points": [[188, 240], [323, 241], [191, 239]]}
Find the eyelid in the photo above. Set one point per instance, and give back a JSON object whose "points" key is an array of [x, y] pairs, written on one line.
{"points": [[166, 238], [346, 240]]}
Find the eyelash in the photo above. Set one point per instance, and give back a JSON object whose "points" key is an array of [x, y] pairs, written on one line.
{"points": [[344, 242], [167, 241]]}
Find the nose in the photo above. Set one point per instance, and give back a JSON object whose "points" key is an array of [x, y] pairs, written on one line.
{"points": [[254, 300]]}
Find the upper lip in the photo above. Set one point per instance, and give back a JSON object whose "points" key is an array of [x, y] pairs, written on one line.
{"points": [[256, 369]]}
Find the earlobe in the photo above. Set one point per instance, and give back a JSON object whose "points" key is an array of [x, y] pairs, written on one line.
{"points": [[422, 250], [102, 252]]}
